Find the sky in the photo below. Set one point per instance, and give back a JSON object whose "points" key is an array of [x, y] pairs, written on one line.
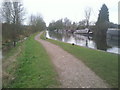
{"points": [[72, 9], [119, 13]]}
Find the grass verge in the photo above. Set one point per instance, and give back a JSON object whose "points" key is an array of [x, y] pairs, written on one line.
{"points": [[104, 64], [34, 68], [9, 64]]}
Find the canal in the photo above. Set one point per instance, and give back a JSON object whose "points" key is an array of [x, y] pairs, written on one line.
{"points": [[88, 41]]}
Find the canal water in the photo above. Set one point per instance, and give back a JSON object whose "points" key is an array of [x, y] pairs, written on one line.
{"points": [[88, 41]]}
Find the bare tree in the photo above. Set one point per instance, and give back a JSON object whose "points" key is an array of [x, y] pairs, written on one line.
{"points": [[6, 12], [17, 12], [87, 16], [37, 23], [13, 13]]}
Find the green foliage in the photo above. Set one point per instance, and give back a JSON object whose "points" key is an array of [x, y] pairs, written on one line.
{"points": [[43, 36], [66, 24], [102, 23], [37, 23], [11, 51], [35, 69], [62, 24], [82, 24], [104, 64], [56, 25], [103, 17], [103, 14]]}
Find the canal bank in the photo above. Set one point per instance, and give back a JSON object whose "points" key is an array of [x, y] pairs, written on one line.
{"points": [[31, 68]]}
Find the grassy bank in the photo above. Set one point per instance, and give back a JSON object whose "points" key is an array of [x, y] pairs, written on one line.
{"points": [[34, 68], [9, 64], [102, 63]]}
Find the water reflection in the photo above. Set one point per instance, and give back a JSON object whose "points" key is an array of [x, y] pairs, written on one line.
{"points": [[85, 40]]}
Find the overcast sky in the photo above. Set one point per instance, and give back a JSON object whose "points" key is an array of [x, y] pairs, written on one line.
{"points": [[72, 9]]}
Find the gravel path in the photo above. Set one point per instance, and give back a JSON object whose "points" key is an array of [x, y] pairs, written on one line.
{"points": [[73, 73]]}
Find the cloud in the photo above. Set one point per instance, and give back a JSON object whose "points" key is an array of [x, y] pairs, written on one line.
{"points": [[73, 9]]}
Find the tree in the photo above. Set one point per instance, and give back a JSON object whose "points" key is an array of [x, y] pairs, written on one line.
{"points": [[82, 24], [74, 26], [59, 24], [56, 25], [13, 13], [6, 12], [103, 21], [52, 26], [87, 16], [37, 23], [103, 14], [67, 23], [17, 13]]}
